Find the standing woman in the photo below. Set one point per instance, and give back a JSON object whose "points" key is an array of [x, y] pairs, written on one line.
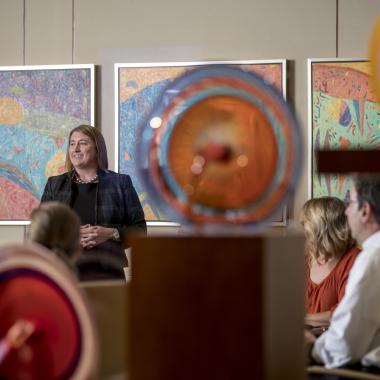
{"points": [[106, 203], [330, 254]]}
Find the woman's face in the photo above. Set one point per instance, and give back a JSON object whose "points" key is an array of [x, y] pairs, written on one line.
{"points": [[82, 151]]}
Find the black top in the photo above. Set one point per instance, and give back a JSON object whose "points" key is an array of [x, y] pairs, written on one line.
{"points": [[83, 201]]}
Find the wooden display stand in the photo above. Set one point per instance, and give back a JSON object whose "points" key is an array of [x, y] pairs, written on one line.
{"points": [[217, 308], [108, 300]]}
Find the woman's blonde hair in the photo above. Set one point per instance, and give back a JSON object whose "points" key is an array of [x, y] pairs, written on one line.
{"points": [[326, 228], [55, 226], [100, 146]]}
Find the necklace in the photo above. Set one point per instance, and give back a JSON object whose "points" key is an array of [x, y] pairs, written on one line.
{"points": [[77, 179]]}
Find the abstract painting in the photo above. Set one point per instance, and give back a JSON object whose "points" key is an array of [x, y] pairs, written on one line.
{"points": [[39, 105], [343, 114], [138, 88]]}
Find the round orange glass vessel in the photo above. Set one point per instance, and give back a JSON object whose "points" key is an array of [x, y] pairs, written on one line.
{"points": [[222, 147], [246, 163]]}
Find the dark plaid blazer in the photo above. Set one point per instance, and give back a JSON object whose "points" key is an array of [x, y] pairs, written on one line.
{"points": [[117, 205]]}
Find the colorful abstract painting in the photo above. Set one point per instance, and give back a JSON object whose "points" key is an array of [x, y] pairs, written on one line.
{"points": [[39, 105], [344, 115], [139, 87]]}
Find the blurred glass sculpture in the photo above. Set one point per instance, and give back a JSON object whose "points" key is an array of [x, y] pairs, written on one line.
{"points": [[221, 147], [46, 329]]}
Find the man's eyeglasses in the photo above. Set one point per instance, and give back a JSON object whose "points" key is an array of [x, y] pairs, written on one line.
{"points": [[347, 200]]}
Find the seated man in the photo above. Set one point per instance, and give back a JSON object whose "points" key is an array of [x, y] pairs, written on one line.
{"points": [[354, 333]]}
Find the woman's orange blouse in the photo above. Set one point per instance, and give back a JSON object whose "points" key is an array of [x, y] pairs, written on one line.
{"points": [[326, 295]]}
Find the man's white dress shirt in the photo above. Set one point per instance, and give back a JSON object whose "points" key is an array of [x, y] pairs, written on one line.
{"points": [[354, 332]]}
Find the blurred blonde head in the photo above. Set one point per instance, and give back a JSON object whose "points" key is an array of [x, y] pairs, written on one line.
{"points": [[55, 226], [326, 228]]}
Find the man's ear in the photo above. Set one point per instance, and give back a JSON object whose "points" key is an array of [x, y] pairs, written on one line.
{"points": [[366, 212]]}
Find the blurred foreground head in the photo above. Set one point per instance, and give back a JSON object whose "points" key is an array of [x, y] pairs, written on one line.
{"points": [[56, 226]]}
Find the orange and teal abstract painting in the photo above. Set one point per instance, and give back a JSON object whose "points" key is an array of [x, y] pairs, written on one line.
{"points": [[38, 108], [139, 89], [345, 115]]}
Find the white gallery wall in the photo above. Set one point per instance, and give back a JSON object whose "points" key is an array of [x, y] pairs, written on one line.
{"points": [[35, 32]]}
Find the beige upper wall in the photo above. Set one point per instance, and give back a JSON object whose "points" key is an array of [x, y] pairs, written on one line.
{"points": [[224, 29], [85, 31], [48, 32], [356, 22], [11, 32]]}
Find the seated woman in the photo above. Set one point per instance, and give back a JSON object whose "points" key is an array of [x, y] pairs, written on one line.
{"points": [[330, 254], [56, 227]]}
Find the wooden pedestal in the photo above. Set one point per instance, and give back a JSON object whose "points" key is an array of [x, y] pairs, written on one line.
{"points": [[217, 308]]}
